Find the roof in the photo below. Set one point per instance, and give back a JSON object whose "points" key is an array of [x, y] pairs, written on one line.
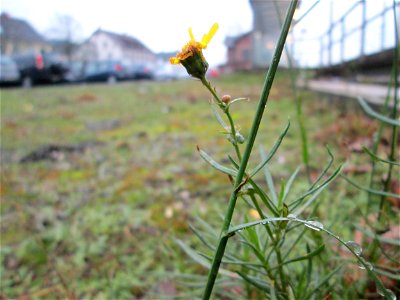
{"points": [[18, 30], [124, 40]]}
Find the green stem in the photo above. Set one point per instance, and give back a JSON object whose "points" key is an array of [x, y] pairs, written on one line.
{"points": [[281, 272], [394, 116], [207, 84], [249, 146], [277, 250], [298, 100]]}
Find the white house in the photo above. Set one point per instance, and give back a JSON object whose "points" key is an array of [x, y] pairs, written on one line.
{"points": [[105, 45]]}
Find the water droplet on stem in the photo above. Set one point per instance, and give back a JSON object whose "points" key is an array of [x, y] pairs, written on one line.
{"points": [[315, 225], [355, 247]]}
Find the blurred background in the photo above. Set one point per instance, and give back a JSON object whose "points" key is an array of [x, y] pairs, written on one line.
{"points": [[100, 173], [135, 40]]}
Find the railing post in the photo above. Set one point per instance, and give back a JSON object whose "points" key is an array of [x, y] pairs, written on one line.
{"points": [[363, 25], [330, 42], [342, 39], [321, 52], [383, 26]]}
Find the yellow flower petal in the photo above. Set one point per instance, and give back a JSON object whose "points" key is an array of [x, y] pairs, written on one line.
{"points": [[207, 37], [191, 34], [174, 60]]}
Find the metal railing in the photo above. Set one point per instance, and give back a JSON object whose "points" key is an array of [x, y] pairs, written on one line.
{"points": [[339, 37]]}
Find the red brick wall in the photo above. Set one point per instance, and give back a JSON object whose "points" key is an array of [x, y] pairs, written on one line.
{"points": [[239, 55]]}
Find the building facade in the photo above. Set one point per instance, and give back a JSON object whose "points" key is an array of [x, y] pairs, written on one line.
{"points": [[18, 36], [105, 45], [266, 30], [239, 53]]}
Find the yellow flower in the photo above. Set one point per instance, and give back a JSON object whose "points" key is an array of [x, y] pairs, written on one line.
{"points": [[191, 56]]}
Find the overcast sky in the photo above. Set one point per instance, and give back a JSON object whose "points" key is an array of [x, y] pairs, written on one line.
{"points": [[162, 24]]}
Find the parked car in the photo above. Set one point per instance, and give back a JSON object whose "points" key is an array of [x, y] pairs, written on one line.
{"points": [[9, 73], [140, 71], [170, 72], [109, 71], [75, 72], [40, 68]]}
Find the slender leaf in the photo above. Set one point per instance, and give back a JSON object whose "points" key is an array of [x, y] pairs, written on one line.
{"points": [[216, 165], [360, 260], [268, 177], [218, 117], [237, 100], [255, 281], [331, 159], [207, 227], [201, 237], [322, 282], [305, 14], [300, 258], [369, 111], [198, 258], [272, 151], [273, 292], [260, 192], [322, 186], [387, 274], [234, 261], [371, 191], [395, 242], [289, 183], [264, 197], [377, 158]]}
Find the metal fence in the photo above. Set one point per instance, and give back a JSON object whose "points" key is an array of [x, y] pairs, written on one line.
{"points": [[351, 36]]}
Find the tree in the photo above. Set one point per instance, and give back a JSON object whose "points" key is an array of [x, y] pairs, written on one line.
{"points": [[64, 35]]}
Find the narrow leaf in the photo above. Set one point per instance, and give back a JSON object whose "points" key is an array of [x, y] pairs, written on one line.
{"points": [[198, 258], [377, 158], [255, 281], [307, 256], [371, 191], [264, 198], [237, 100], [380, 238], [387, 274], [201, 237], [268, 177], [288, 185], [369, 111], [322, 282], [322, 186], [331, 159], [272, 151], [218, 117], [216, 165]]}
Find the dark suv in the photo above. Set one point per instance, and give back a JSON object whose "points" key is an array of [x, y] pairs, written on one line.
{"points": [[40, 68]]}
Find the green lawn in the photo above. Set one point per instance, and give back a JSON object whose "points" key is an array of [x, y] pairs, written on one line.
{"points": [[100, 220]]}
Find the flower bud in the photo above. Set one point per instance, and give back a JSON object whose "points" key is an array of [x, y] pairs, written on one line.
{"points": [[226, 99], [196, 65], [240, 138]]}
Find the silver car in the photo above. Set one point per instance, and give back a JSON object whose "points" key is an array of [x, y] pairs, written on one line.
{"points": [[9, 72]]}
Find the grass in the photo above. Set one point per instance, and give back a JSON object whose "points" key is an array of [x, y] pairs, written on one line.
{"points": [[101, 223]]}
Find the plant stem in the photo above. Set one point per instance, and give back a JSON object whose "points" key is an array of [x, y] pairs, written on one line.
{"points": [[249, 146], [207, 84], [394, 115], [299, 111]]}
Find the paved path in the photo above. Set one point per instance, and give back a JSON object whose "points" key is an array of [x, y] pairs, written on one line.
{"points": [[373, 93]]}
